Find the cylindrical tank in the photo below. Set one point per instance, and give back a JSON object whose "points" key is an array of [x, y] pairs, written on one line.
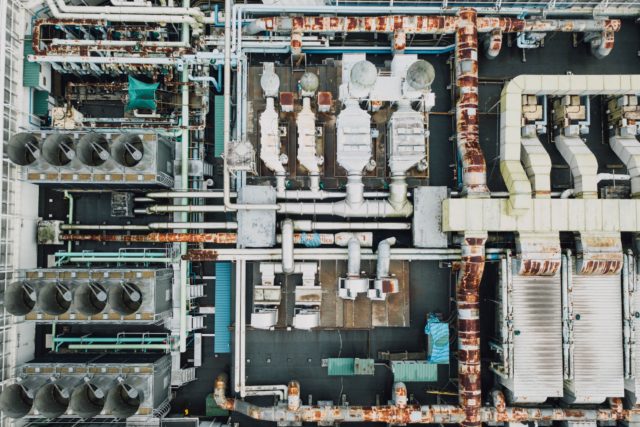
{"points": [[16, 400], [88, 399], [22, 149], [58, 149], [270, 83], [52, 399], [19, 298], [127, 150], [362, 78], [125, 298], [54, 298], [123, 400], [93, 149], [309, 82], [90, 298], [420, 75]]}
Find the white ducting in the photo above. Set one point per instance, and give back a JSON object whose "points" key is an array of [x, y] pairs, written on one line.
{"points": [[537, 165], [384, 257], [287, 246], [583, 164], [306, 123], [353, 266], [270, 143], [627, 148]]}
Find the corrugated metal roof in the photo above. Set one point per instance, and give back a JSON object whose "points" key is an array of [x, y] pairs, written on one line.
{"points": [[222, 320], [31, 70], [414, 371], [218, 123]]}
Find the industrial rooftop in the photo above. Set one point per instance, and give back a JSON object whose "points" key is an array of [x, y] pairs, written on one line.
{"points": [[320, 212]]}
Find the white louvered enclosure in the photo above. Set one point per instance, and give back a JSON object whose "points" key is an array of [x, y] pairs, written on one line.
{"points": [[532, 335], [593, 337]]}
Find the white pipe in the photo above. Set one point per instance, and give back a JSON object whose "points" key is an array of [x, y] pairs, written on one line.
{"points": [[354, 256], [567, 193], [139, 3], [135, 10], [600, 177], [119, 60], [307, 225], [190, 194], [227, 118], [287, 246], [154, 226], [366, 209], [123, 17], [206, 79], [185, 208], [117, 43], [384, 256]]}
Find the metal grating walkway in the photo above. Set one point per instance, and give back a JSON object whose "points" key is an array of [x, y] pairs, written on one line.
{"points": [[222, 340]]}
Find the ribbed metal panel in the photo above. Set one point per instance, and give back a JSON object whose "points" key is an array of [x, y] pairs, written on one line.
{"points": [[597, 334], [414, 371], [218, 123], [31, 70], [340, 366], [40, 106], [222, 320], [537, 349]]}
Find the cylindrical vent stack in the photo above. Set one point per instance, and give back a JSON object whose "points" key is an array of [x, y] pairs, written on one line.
{"points": [[23, 149], [125, 298], [123, 400], [90, 298], [58, 149], [19, 298], [54, 298], [127, 150], [93, 149]]}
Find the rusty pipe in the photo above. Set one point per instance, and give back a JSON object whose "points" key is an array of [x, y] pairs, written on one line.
{"points": [[220, 238], [391, 414], [471, 268], [474, 175], [422, 24]]}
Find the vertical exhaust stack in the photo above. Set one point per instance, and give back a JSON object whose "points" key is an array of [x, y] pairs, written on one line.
{"points": [[54, 298], [125, 298], [470, 273], [93, 149], [123, 400], [20, 298], [52, 399], [16, 400], [88, 399], [90, 299], [474, 174], [58, 149], [22, 149], [127, 150]]}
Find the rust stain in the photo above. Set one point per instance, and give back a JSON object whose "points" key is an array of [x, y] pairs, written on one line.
{"points": [[220, 238], [201, 255]]}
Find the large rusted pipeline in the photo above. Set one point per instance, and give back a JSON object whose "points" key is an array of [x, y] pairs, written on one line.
{"points": [[422, 24], [221, 238], [474, 173], [400, 413], [471, 268], [392, 414]]}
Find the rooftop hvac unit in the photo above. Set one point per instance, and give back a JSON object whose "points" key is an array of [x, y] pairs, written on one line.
{"points": [[108, 386], [91, 295], [84, 159]]}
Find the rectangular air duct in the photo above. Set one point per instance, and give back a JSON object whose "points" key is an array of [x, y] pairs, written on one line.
{"points": [[91, 295]]}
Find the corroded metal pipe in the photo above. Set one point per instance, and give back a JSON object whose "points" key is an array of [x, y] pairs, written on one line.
{"points": [[471, 268], [421, 24], [391, 414], [221, 238], [474, 175]]}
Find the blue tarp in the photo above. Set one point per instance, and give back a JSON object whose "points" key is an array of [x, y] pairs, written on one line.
{"points": [[222, 319], [438, 335]]}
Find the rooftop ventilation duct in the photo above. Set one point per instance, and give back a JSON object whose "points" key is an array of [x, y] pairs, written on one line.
{"points": [[16, 400], [127, 150], [93, 149], [88, 399], [52, 399], [125, 298], [362, 78], [420, 75], [58, 150], [90, 299], [123, 400], [23, 149], [54, 299], [19, 298]]}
